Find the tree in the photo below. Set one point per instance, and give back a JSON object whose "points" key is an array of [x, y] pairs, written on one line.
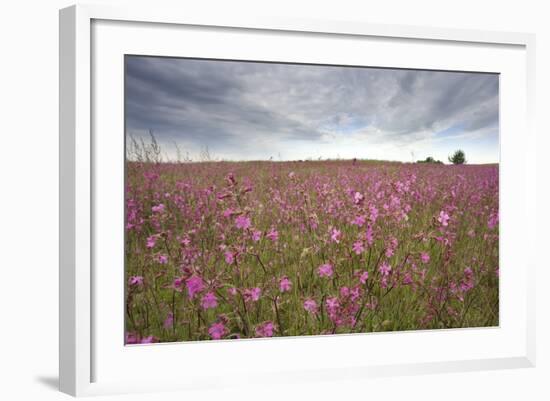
{"points": [[430, 160], [458, 157]]}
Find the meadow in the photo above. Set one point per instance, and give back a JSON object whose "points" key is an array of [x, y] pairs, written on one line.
{"points": [[227, 250]]}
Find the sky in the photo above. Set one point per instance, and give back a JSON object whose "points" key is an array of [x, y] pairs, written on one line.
{"points": [[260, 111]]}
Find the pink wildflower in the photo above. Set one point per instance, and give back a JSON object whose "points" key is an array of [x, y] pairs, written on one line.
{"points": [[344, 292], [151, 241], [242, 222], [332, 305], [158, 208], [178, 284], [493, 221], [310, 305], [384, 269], [443, 218], [136, 281], [424, 257], [285, 284], [229, 257], [355, 293], [147, 340], [252, 294], [467, 283], [230, 178], [194, 285], [273, 235], [373, 213], [163, 259], [364, 277], [217, 331], [335, 235], [209, 300], [228, 212], [358, 247], [265, 329], [151, 176], [369, 235], [131, 338], [359, 221], [325, 270], [358, 198], [256, 235], [390, 248]]}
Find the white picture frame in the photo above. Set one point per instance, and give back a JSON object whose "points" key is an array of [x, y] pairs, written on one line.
{"points": [[79, 158]]}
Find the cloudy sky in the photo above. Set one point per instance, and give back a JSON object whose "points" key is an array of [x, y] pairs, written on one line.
{"points": [[252, 111]]}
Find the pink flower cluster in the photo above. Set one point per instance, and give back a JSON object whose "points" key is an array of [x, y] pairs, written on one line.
{"points": [[225, 250]]}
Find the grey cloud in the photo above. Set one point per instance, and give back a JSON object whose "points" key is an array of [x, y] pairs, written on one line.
{"points": [[223, 103]]}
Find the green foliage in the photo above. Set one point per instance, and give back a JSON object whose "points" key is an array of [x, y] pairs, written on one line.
{"points": [[458, 157], [430, 159]]}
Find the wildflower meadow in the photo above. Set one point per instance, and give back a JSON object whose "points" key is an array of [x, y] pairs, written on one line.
{"points": [[228, 250]]}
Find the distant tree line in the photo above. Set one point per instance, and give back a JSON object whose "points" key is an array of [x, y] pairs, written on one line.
{"points": [[430, 159], [458, 157]]}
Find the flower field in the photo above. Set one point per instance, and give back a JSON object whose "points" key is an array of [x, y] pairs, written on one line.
{"points": [[226, 250]]}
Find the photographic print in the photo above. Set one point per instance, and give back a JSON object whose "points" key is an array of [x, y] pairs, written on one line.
{"points": [[269, 199]]}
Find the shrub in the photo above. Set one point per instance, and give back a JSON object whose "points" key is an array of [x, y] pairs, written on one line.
{"points": [[458, 157], [430, 159]]}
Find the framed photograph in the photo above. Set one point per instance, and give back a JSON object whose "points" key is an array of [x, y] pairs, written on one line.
{"points": [[274, 200]]}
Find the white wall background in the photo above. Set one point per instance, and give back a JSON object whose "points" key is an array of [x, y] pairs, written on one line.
{"points": [[29, 200]]}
